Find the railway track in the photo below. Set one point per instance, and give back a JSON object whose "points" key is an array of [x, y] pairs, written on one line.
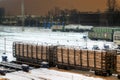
{"points": [[118, 51], [7, 67], [11, 65]]}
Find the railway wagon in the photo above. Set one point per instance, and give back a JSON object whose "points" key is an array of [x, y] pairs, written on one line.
{"points": [[102, 62], [72, 28], [102, 33], [116, 38], [57, 28], [77, 28], [100, 36], [34, 53]]}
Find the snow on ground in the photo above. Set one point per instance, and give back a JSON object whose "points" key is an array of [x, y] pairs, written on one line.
{"points": [[8, 36], [46, 74], [43, 36]]}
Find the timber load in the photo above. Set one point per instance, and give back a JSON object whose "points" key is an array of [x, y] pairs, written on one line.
{"points": [[86, 59], [33, 53]]}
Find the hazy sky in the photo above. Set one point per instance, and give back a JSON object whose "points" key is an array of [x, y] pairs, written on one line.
{"points": [[40, 7]]}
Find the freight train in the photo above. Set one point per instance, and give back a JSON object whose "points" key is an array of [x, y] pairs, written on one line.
{"points": [[103, 62], [72, 28], [94, 33]]}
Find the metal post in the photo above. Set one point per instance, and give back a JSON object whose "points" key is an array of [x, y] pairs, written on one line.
{"points": [[85, 39], [5, 45], [22, 14]]}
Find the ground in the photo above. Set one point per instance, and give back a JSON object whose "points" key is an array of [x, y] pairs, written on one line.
{"points": [[46, 37]]}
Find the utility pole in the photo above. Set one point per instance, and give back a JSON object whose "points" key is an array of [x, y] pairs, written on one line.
{"points": [[22, 14], [111, 5], [5, 45]]}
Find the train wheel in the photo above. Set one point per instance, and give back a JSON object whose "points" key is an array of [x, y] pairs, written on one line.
{"points": [[67, 68], [96, 72], [59, 66], [110, 74], [104, 74], [118, 76]]}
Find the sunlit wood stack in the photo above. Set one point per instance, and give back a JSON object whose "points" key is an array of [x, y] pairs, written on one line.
{"points": [[118, 63], [34, 51], [83, 58]]}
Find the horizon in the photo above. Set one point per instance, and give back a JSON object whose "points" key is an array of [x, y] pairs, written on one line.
{"points": [[37, 7]]}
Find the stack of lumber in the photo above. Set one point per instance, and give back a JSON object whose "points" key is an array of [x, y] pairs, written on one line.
{"points": [[4, 79], [25, 49], [29, 51], [91, 58], [17, 49], [21, 49], [118, 63], [77, 57], [34, 51], [84, 58], [59, 54], [71, 56]]}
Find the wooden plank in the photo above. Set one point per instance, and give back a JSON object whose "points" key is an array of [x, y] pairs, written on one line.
{"points": [[34, 51], [98, 59], [77, 57], [87, 58], [102, 60], [71, 56], [27, 50], [62, 54], [74, 57], [44, 52], [20, 49], [84, 58], [17, 50], [118, 63], [81, 57], [59, 55], [39, 52], [91, 59], [23, 50], [68, 56], [47, 52]]}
